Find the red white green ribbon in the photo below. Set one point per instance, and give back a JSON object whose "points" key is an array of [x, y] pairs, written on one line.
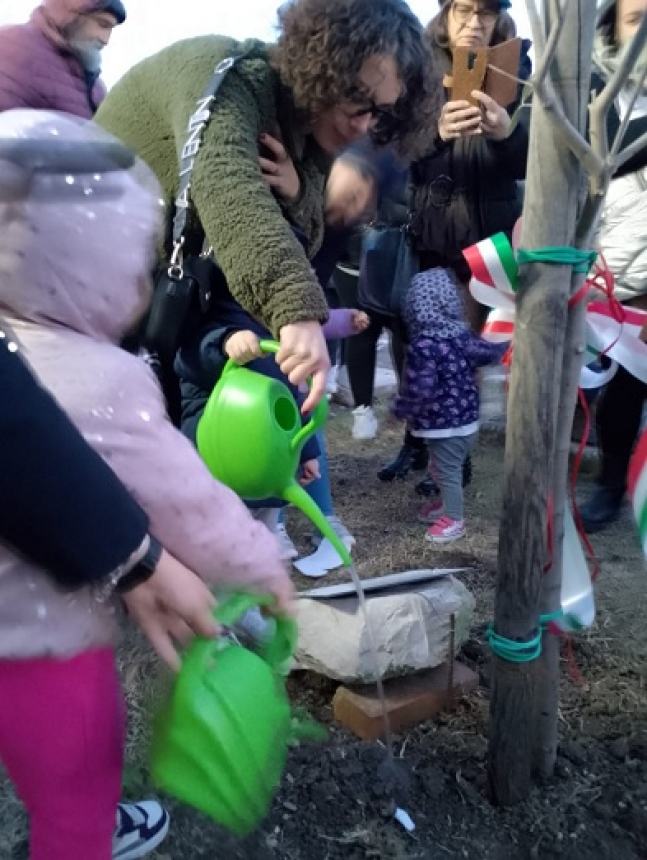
{"points": [[637, 486], [611, 328], [494, 282]]}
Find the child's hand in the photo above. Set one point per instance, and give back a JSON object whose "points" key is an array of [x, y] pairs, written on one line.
{"points": [[360, 320], [309, 472], [279, 171], [243, 346], [172, 606]]}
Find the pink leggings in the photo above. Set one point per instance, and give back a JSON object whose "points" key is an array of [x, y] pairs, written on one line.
{"points": [[61, 741]]}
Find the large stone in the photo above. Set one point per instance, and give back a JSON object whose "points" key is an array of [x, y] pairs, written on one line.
{"points": [[411, 626]]}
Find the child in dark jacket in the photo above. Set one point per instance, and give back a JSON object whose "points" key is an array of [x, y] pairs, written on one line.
{"points": [[439, 396], [233, 333]]}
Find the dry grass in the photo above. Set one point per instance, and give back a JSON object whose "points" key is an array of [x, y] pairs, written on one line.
{"points": [[611, 702]]}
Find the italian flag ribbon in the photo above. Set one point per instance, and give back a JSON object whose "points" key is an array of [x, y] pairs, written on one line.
{"points": [[494, 283], [612, 329], [637, 486]]}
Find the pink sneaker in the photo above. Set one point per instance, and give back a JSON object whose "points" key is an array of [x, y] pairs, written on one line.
{"points": [[445, 530], [430, 511]]}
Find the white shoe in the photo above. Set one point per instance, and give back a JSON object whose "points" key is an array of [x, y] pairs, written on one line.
{"points": [[140, 828], [364, 423], [322, 561], [270, 519], [288, 549], [339, 529]]}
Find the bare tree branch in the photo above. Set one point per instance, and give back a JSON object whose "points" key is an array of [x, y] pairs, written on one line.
{"points": [[537, 27], [548, 52], [588, 221], [590, 159], [547, 95], [629, 151]]}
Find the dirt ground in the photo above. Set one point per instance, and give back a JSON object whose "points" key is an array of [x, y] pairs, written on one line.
{"points": [[334, 801]]}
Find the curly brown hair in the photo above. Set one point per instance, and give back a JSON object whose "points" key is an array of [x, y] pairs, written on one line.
{"points": [[323, 44]]}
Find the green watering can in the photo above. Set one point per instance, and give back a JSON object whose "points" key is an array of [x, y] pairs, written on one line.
{"points": [[221, 741], [250, 437]]}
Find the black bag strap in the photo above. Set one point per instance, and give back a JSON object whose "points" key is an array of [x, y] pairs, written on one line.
{"points": [[198, 121]]}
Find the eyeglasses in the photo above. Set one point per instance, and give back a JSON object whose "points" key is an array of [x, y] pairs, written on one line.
{"points": [[358, 105], [375, 111], [464, 14]]}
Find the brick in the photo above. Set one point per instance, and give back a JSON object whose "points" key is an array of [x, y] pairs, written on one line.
{"points": [[409, 700]]}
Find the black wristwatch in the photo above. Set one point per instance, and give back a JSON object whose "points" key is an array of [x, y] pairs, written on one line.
{"points": [[143, 570]]}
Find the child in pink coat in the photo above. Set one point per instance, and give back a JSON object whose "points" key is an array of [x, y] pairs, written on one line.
{"points": [[75, 252]]}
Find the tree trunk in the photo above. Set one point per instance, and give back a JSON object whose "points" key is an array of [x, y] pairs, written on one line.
{"points": [[554, 195], [546, 737], [576, 99]]}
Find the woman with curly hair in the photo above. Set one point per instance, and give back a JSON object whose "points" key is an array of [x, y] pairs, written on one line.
{"points": [[340, 69]]}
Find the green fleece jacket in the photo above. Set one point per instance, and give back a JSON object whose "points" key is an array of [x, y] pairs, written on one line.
{"points": [[265, 265]]}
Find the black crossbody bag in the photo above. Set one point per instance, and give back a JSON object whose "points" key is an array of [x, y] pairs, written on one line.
{"points": [[388, 263], [185, 281]]}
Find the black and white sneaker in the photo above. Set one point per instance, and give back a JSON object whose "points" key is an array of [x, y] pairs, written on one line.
{"points": [[141, 827]]}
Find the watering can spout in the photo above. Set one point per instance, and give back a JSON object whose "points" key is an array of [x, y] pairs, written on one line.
{"points": [[298, 497]]}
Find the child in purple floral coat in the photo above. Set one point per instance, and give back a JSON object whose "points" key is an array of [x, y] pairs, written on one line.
{"points": [[439, 396]]}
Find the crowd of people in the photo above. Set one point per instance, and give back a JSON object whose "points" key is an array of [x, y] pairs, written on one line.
{"points": [[316, 191]]}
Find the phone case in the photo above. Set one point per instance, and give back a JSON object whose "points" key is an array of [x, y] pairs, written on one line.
{"points": [[472, 70]]}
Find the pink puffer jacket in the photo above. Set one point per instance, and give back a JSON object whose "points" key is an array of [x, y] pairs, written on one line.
{"points": [[74, 258], [36, 68]]}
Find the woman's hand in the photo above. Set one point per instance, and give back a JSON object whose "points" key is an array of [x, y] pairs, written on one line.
{"points": [[459, 119], [243, 346], [350, 196], [304, 354], [309, 472], [495, 120], [359, 320], [279, 171]]}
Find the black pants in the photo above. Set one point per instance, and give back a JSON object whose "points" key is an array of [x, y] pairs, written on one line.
{"points": [[361, 349], [618, 419]]}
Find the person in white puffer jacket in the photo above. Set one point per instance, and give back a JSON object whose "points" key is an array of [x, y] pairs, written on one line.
{"points": [[623, 241], [623, 235]]}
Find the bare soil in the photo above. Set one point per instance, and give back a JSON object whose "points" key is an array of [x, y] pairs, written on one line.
{"points": [[336, 800]]}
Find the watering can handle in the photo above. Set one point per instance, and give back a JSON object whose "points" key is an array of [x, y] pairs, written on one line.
{"points": [[282, 645], [319, 413]]}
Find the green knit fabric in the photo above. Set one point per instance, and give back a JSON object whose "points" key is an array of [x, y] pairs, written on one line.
{"points": [[266, 268]]}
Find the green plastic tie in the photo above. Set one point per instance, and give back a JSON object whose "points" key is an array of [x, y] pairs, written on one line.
{"points": [[520, 652], [559, 255]]}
